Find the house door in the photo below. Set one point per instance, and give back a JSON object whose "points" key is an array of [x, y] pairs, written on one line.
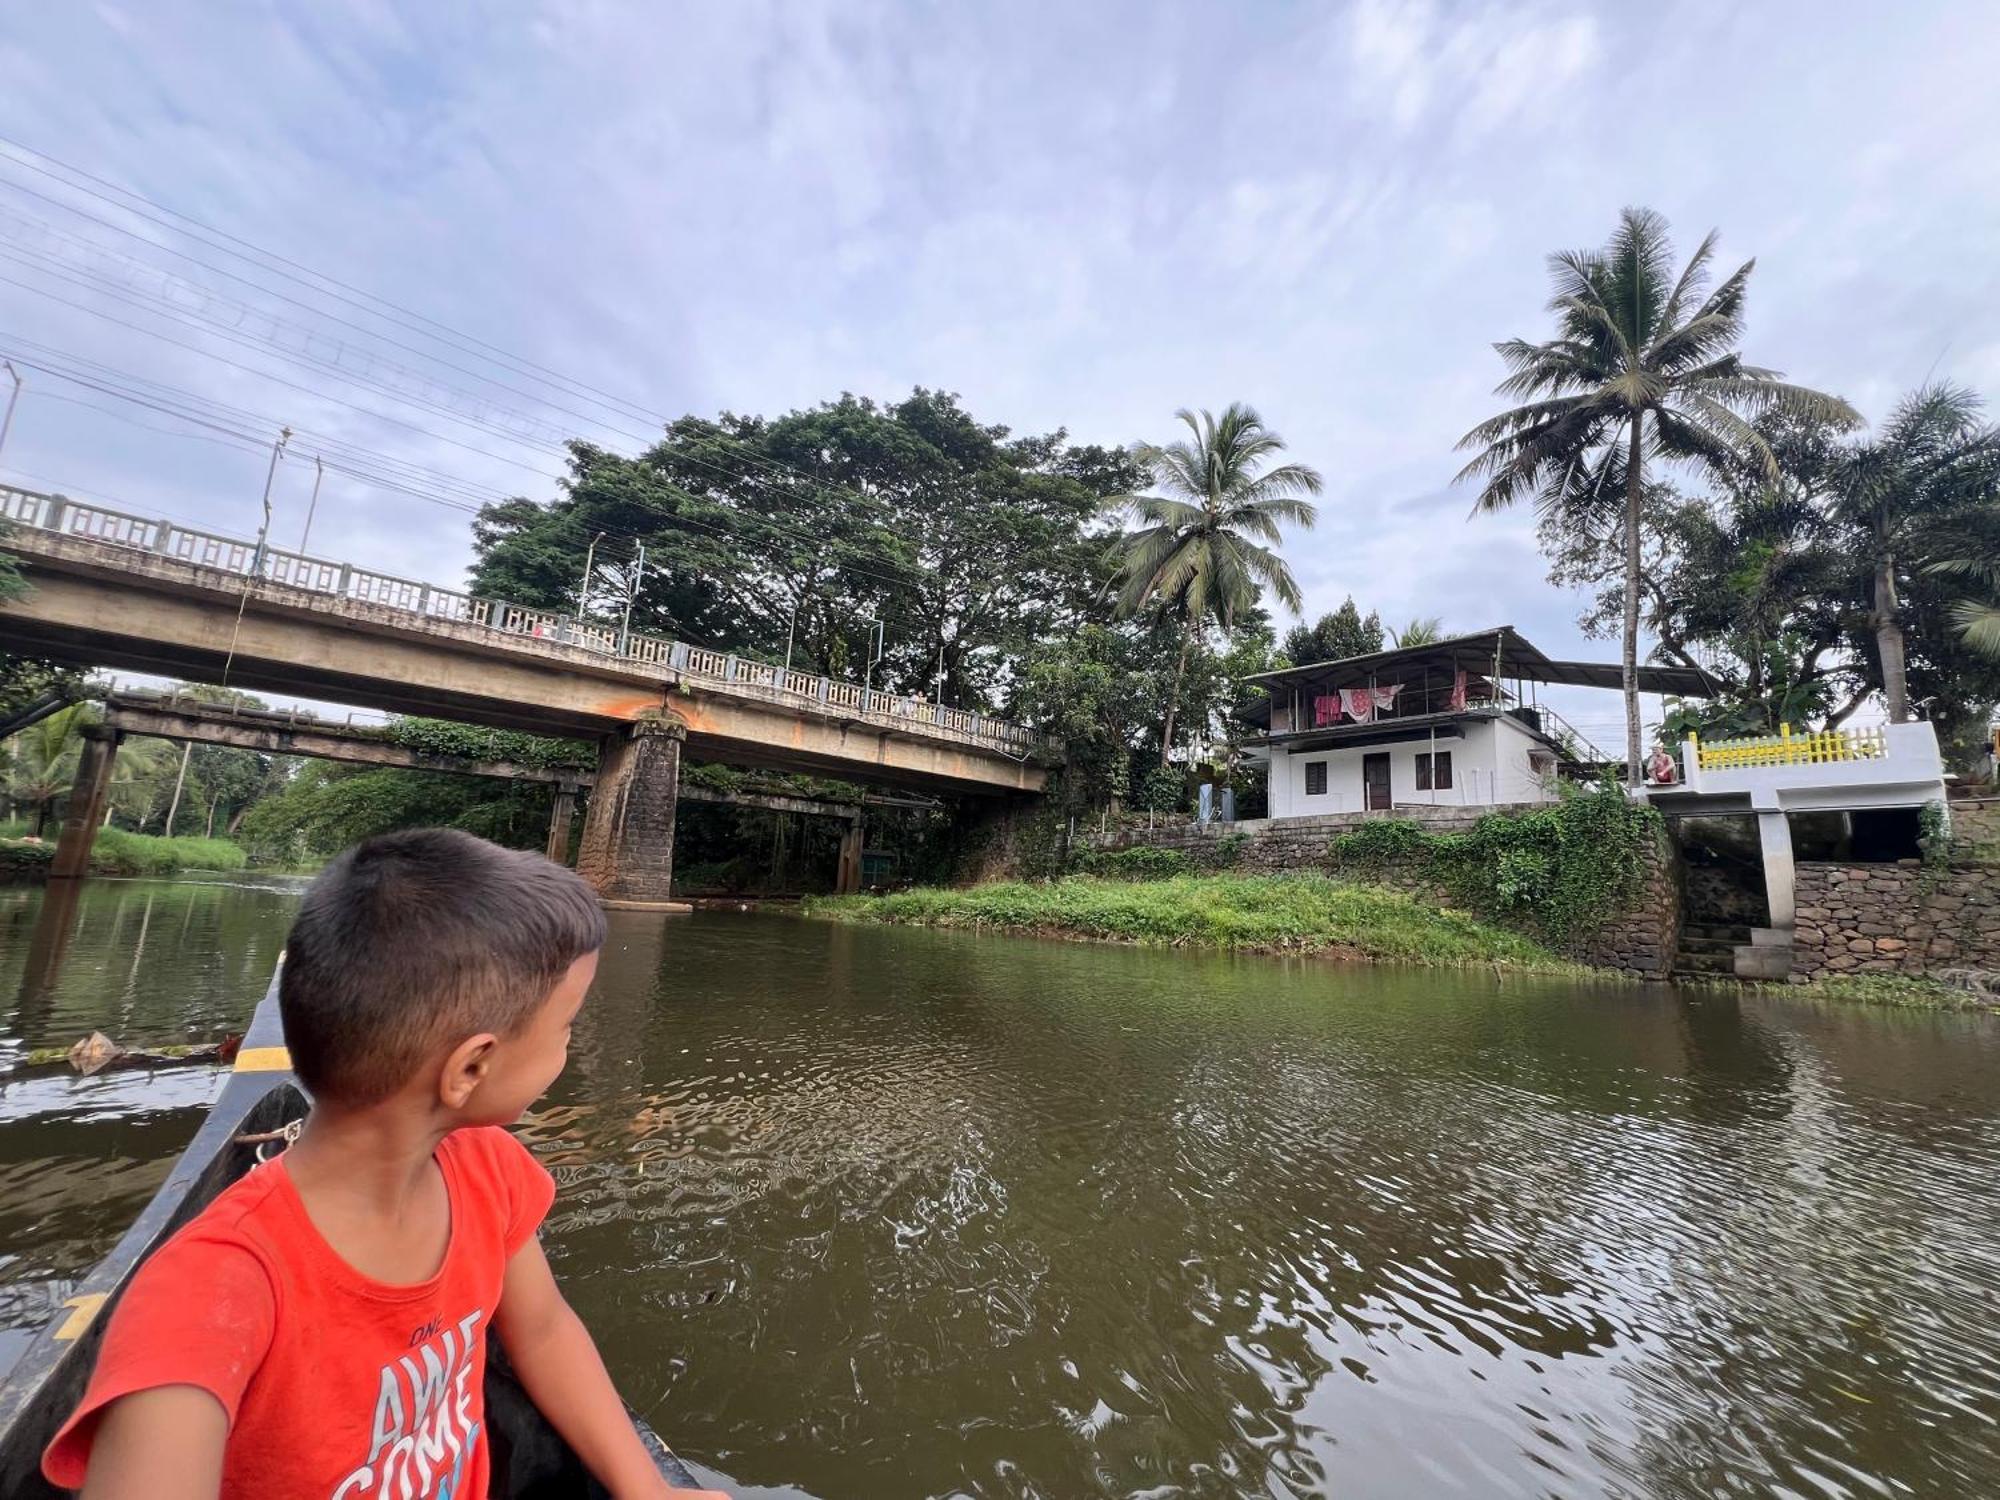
{"points": [[1375, 782]]}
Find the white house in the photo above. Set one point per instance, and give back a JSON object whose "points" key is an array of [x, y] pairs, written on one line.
{"points": [[1455, 722]]}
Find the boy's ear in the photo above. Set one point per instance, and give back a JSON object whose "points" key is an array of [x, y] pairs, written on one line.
{"points": [[465, 1069]]}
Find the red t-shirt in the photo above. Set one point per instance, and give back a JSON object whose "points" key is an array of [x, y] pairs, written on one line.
{"points": [[337, 1387]]}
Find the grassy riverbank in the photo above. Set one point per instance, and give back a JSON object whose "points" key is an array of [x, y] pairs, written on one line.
{"points": [[116, 852], [1905, 991], [1297, 913]]}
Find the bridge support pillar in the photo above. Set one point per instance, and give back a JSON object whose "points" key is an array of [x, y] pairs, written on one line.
{"points": [[848, 880], [85, 812], [561, 813], [628, 829]]}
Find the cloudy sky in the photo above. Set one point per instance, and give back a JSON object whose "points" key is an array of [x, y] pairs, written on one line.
{"points": [[1075, 215]]}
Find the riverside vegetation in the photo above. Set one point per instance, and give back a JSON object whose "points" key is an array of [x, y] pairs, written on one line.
{"points": [[117, 852], [1301, 912]]}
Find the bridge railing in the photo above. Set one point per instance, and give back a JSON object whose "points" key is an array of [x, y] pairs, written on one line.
{"points": [[246, 559]]}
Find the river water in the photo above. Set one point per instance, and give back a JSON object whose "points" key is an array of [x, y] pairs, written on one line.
{"points": [[867, 1212]]}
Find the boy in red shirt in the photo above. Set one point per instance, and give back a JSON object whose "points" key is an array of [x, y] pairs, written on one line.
{"points": [[319, 1331]]}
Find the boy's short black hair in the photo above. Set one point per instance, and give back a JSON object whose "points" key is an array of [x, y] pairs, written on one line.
{"points": [[412, 939]]}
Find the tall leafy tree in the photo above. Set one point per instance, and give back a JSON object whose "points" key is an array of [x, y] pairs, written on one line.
{"points": [[1333, 636], [1913, 493], [1205, 551], [1643, 369], [791, 538]]}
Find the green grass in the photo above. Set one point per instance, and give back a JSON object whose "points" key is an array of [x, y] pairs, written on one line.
{"points": [[1299, 913], [116, 852], [1912, 992]]}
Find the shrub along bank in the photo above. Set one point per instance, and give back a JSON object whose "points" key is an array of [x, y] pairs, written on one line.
{"points": [[117, 852], [1562, 871], [1301, 912]]}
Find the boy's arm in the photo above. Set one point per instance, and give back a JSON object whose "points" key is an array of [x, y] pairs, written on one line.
{"points": [[562, 1372], [160, 1444]]}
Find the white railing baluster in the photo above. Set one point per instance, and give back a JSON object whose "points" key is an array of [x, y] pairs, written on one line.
{"points": [[114, 528]]}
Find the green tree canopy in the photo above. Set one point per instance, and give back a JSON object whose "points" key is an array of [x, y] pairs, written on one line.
{"points": [[1334, 636], [796, 535]]}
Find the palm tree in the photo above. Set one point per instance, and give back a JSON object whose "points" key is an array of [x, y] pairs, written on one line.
{"points": [[44, 761], [1424, 630], [1643, 366], [1979, 625], [1913, 492], [1198, 557]]}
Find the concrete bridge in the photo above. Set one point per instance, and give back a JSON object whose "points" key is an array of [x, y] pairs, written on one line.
{"points": [[187, 719], [116, 589]]}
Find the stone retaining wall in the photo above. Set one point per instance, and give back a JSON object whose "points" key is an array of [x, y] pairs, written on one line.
{"points": [[1895, 919], [1639, 942], [1975, 819], [1273, 844], [1724, 895]]}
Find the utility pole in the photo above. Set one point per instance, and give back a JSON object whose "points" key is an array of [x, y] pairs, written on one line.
{"points": [[13, 396], [187, 749], [790, 631], [257, 558], [319, 473], [877, 647], [270, 474], [631, 592], [589, 558]]}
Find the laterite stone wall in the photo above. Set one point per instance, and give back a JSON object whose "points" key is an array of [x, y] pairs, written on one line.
{"points": [[1895, 919]]}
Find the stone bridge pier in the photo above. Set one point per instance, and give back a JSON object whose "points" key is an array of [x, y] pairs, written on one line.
{"points": [[85, 811], [627, 851]]}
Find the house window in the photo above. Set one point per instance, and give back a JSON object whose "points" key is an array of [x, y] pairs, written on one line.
{"points": [[1315, 778], [1434, 772]]}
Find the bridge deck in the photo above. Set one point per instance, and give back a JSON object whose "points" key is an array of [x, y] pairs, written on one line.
{"points": [[125, 590]]}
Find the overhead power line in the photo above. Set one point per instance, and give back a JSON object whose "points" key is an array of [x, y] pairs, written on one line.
{"points": [[17, 154]]}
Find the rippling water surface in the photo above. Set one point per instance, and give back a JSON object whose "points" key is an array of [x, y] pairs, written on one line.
{"points": [[875, 1213]]}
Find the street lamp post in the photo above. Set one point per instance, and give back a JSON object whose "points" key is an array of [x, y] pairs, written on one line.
{"points": [[589, 558], [319, 473], [270, 474], [13, 396], [877, 647], [631, 592]]}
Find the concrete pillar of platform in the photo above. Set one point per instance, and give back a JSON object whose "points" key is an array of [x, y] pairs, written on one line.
{"points": [[1774, 834], [85, 812], [561, 812], [848, 880], [628, 829]]}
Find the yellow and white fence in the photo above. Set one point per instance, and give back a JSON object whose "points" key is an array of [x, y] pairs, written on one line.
{"points": [[1785, 748]]}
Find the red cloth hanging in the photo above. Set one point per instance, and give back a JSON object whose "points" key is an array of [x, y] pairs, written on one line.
{"points": [[1326, 710]]}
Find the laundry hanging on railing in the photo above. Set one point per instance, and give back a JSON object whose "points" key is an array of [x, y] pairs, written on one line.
{"points": [[1326, 710], [1363, 703], [1457, 703]]}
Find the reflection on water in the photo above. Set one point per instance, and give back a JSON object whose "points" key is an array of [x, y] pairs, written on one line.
{"points": [[892, 1213]]}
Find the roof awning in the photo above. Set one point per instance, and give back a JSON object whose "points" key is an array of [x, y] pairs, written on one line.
{"points": [[1497, 653]]}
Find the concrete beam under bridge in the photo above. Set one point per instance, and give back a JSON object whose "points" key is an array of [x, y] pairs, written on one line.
{"points": [[280, 733], [95, 602], [269, 735]]}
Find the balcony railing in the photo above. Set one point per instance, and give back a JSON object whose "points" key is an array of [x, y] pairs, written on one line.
{"points": [[1415, 701], [721, 669], [1825, 747]]}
